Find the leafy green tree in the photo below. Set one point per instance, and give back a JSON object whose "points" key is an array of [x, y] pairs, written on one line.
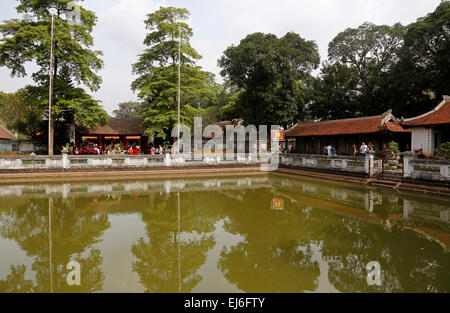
{"points": [[11, 107], [269, 72], [28, 40], [423, 73], [74, 232], [129, 110], [334, 94], [157, 69], [15, 281], [166, 260], [360, 61]]}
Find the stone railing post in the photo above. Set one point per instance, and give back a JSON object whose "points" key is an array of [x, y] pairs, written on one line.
{"points": [[407, 168], [168, 160], [371, 157], [65, 160]]}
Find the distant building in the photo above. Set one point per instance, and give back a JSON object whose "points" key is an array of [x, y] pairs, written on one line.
{"points": [[221, 144], [431, 129], [6, 134], [119, 130], [311, 138], [9, 143]]}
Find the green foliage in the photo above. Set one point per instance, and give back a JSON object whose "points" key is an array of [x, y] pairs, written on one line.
{"points": [[393, 149], [210, 115], [22, 111], [157, 69], [444, 150], [129, 110], [268, 71], [28, 40], [334, 95], [374, 68], [354, 79], [423, 73]]}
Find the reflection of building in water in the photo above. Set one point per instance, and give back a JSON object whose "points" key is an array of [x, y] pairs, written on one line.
{"points": [[411, 209], [371, 199], [117, 188]]}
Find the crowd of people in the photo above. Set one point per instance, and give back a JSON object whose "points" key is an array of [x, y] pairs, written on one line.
{"points": [[363, 150], [117, 149], [288, 148]]}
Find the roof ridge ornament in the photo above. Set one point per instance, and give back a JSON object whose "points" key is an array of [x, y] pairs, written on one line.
{"points": [[387, 112]]}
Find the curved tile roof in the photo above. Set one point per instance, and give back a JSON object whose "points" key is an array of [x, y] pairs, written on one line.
{"points": [[438, 116], [118, 126], [6, 134], [361, 125]]}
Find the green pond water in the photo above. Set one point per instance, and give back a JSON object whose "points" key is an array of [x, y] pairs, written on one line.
{"points": [[262, 233]]}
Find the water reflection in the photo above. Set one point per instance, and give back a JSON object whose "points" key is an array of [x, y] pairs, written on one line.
{"points": [[168, 259], [52, 232], [322, 240]]}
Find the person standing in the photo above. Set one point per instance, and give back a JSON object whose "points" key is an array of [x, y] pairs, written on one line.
{"points": [[363, 149], [329, 150], [355, 150]]}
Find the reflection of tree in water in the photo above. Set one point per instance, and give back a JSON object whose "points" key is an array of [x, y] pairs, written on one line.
{"points": [[276, 254], [15, 281], [408, 263], [158, 257], [73, 231]]}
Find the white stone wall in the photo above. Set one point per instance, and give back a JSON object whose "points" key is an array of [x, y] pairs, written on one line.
{"points": [[426, 169], [423, 138], [363, 165]]}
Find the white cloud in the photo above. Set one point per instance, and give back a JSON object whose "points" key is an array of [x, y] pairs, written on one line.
{"points": [[217, 24], [120, 34]]}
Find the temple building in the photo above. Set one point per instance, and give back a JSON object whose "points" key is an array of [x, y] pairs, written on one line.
{"points": [[311, 138], [431, 129], [127, 132]]}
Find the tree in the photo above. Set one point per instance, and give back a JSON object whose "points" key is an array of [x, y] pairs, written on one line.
{"points": [[129, 110], [74, 234], [334, 94], [157, 69], [357, 74], [11, 107], [28, 39], [422, 76], [20, 111], [269, 71]]}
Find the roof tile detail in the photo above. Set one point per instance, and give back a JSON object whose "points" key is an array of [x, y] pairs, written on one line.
{"points": [[363, 125]]}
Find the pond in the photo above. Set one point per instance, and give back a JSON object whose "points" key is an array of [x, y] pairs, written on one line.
{"points": [[257, 233]]}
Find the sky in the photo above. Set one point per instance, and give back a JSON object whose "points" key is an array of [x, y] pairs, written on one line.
{"points": [[217, 24]]}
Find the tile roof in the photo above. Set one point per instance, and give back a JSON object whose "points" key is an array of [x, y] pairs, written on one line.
{"points": [[223, 125], [6, 134], [361, 125], [438, 116], [118, 126], [396, 128]]}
